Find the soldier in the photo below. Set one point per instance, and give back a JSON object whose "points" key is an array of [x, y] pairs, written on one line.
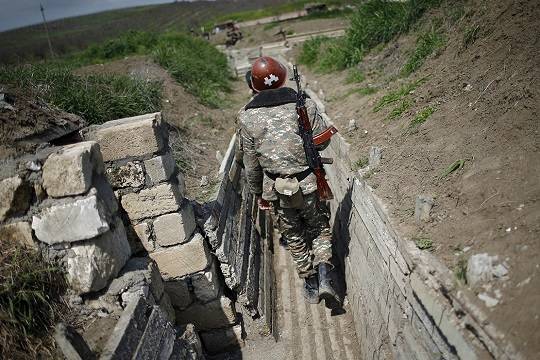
{"points": [[277, 172]]}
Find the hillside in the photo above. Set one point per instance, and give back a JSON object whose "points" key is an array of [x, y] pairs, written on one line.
{"points": [[460, 129]]}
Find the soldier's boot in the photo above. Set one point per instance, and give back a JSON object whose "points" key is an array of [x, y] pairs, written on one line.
{"points": [[311, 289], [327, 286]]}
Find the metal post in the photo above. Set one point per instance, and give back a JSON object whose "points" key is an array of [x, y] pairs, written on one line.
{"points": [[46, 29]]}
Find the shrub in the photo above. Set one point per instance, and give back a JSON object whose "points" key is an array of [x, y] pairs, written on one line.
{"points": [[310, 50], [96, 98]]}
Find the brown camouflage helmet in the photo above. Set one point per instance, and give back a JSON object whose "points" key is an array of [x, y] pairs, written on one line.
{"points": [[267, 73]]}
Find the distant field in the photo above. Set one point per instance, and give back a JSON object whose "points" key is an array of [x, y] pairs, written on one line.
{"points": [[77, 33]]}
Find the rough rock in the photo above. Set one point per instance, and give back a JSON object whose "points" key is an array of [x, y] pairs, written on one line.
{"points": [[128, 175], [204, 181], [160, 168], [130, 137], [71, 344], [151, 202], [422, 208], [189, 346], [179, 294], [181, 184], [483, 268], [74, 220], [20, 232], [144, 233], [137, 272], [69, 171], [488, 300], [15, 196], [176, 228], [213, 315], [184, 259], [157, 328], [222, 340], [166, 305], [206, 285], [375, 155], [352, 125], [92, 263]]}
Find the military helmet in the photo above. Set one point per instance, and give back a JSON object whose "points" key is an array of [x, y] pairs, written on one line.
{"points": [[267, 73]]}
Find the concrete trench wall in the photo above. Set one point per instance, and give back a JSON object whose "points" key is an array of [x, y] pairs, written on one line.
{"points": [[402, 299]]}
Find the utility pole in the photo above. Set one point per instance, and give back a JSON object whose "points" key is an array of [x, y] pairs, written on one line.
{"points": [[46, 29]]}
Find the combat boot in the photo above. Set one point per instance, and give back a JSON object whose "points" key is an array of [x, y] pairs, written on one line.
{"points": [[311, 289], [327, 286]]}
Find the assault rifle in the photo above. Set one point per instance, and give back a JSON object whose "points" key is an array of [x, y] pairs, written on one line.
{"points": [[314, 159]]}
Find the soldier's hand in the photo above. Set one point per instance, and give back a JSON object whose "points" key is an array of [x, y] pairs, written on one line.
{"points": [[263, 204]]}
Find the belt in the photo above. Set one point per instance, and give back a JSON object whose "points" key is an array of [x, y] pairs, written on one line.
{"points": [[299, 176]]}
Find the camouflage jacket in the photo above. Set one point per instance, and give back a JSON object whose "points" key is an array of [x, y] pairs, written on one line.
{"points": [[269, 142]]}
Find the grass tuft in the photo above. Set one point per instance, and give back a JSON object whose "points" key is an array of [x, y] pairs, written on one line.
{"points": [[456, 165], [30, 302], [397, 95], [471, 35], [424, 243], [426, 44], [361, 163], [460, 270], [421, 117], [355, 76], [96, 98], [400, 109], [310, 50]]}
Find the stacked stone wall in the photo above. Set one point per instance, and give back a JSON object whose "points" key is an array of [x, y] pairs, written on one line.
{"points": [[161, 222]]}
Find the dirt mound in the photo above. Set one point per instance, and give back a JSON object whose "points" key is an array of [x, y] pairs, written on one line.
{"points": [[26, 122], [482, 95]]}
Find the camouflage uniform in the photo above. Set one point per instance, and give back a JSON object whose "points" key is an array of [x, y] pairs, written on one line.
{"points": [[270, 143]]}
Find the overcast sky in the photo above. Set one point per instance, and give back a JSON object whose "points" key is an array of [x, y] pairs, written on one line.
{"points": [[18, 13]]}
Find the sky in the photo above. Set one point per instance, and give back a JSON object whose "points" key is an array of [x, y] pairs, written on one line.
{"points": [[19, 13]]}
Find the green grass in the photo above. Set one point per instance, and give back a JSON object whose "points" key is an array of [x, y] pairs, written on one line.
{"points": [[423, 243], [422, 116], [309, 53], [374, 22], [360, 163], [456, 165], [96, 98], [426, 43], [397, 95], [355, 76], [460, 270], [399, 109], [30, 303]]}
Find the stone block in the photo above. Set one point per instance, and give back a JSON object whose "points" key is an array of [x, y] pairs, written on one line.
{"points": [[15, 195], [137, 272], [144, 233], [19, 232], [166, 306], [72, 220], [422, 208], [152, 337], [179, 294], [130, 137], [128, 175], [128, 331], [160, 169], [92, 263], [176, 228], [181, 184], [181, 260], [222, 340], [71, 344], [158, 200], [69, 171], [188, 346], [206, 284], [213, 315]]}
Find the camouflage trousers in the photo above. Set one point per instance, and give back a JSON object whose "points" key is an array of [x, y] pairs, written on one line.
{"points": [[307, 234]]}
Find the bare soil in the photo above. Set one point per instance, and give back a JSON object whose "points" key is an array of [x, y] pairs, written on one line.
{"points": [[486, 101], [197, 132]]}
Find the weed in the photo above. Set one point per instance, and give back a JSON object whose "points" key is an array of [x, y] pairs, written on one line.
{"points": [[426, 44], [310, 50], [355, 76], [422, 116], [460, 270], [456, 165], [271, 25], [471, 35], [400, 109], [96, 98], [368, 174], [366, 90], [332, 58], [397, 95], [30, 302], [424, 243], [360, 163]]}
